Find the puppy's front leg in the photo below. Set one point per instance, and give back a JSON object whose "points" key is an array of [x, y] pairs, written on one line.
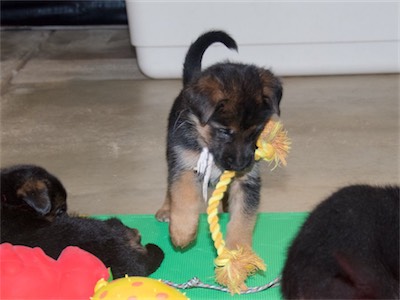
{"points": [[243, 206], [185, 199]]}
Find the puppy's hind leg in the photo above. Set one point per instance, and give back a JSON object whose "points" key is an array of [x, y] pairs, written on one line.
{"points": [[185, 205]]}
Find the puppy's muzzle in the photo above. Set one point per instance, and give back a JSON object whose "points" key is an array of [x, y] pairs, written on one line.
{"points": [[237, 163]]}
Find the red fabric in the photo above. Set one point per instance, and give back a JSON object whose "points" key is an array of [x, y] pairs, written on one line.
{"points": [[28, 273]]}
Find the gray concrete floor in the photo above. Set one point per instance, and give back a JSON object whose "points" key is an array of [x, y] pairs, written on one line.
{"points": [[74, 102]]}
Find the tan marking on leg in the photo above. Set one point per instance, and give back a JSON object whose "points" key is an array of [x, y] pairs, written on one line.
{"points": [[241, 224], [185, 206], [188, 160]]}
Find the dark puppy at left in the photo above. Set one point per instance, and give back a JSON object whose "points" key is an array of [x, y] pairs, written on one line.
{"points": [[116, 245], [33, 213]]}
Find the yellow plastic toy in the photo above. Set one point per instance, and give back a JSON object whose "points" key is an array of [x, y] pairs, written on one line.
{"points": [[233, 266], [135, 287]]}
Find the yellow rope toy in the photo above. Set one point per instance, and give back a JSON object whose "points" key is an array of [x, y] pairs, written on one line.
{"points": [[232, 267]]}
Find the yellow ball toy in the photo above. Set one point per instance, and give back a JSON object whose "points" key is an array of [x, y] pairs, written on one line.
{"points": [[135, 287]]}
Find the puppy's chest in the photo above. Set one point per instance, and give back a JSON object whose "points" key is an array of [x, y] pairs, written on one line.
{"points": [[206, 169], [201, 163]]}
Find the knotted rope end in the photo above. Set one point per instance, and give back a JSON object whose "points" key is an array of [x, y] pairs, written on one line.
{"points": [[273, 144], [232, 267]]}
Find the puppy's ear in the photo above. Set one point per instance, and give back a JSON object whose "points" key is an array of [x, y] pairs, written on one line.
{"points": [[36, 195], [272, 90], [203, 98], [41, 204], [201, 107]]}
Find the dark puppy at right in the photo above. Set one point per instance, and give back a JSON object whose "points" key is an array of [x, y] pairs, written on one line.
{"points": [[33, 213], [348, 248]]}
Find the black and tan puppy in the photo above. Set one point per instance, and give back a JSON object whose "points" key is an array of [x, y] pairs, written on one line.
{"points": [[116, 245], [348, 248], [33, 191], [33, 213], [220, 111]]}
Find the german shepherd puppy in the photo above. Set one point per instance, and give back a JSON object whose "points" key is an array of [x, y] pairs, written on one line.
{"points": [[348, 248], [33, 213], [116, 245], [221, 110], [34, 192]]}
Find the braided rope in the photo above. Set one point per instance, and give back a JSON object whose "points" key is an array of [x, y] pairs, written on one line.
{"points": [[234, 266], [197, 283], [212, 210]]}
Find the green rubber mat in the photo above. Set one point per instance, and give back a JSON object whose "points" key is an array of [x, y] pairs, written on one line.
{"points": [[272, 235]]}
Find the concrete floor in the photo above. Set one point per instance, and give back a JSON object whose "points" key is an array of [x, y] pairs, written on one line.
{"points": [[74, 102]]}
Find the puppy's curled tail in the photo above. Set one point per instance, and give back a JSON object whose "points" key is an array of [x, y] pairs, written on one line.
{"points": [[192, 64]]}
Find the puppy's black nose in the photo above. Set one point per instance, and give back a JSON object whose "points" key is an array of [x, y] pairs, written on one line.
{"points": [[237, 164]]}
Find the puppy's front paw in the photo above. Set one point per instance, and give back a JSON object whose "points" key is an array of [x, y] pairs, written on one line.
{"points": [[155, 257], [182, 234], [163, 215]]}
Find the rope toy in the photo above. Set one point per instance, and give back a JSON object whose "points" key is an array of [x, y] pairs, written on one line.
{"points": [[197, 283], [233, 266]]}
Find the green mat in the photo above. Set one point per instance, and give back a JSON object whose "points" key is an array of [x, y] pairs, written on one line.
{"points": [[272, 235]]}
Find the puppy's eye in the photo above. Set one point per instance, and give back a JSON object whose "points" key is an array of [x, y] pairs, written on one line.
{"points": [[224, 130], [224, 133], [61, 211]]}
